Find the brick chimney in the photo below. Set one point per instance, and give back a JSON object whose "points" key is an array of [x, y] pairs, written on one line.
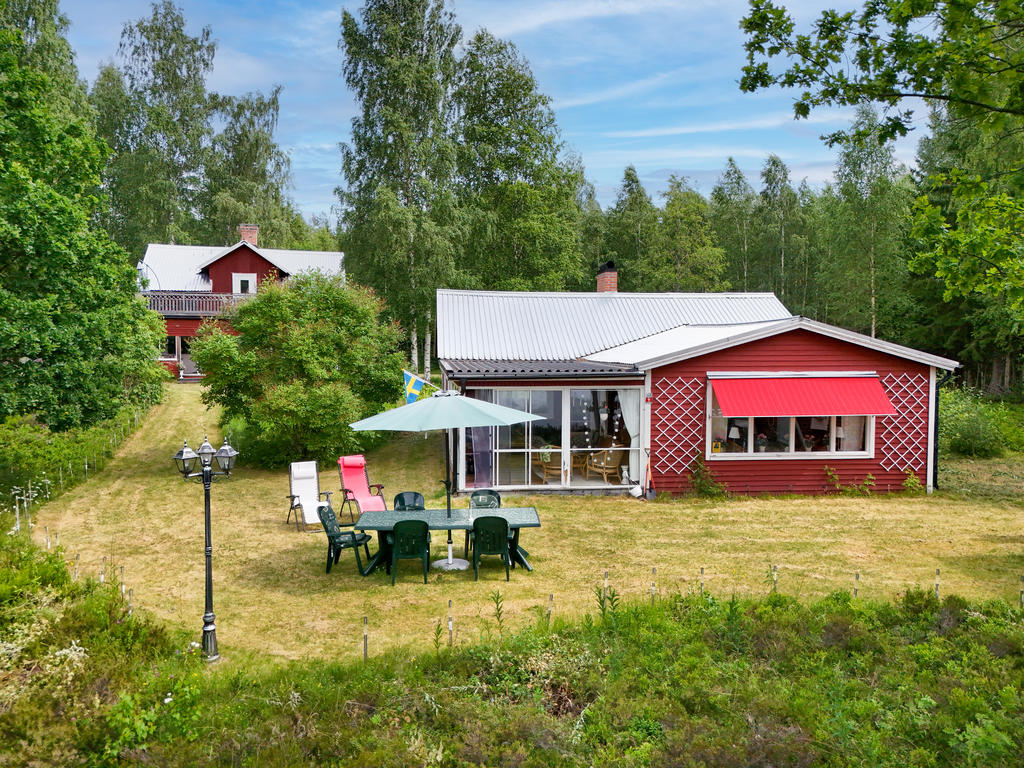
{"points": [[607, 278], [249, 233]]}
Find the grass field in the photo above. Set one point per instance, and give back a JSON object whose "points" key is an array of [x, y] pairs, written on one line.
{"points": [[271, 595]]}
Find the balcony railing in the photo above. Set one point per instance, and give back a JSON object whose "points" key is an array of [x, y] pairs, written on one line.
{"points": [[191, 303]]}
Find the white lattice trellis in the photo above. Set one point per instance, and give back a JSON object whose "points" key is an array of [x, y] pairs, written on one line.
{"points": [[678, 416], [904, 436]]}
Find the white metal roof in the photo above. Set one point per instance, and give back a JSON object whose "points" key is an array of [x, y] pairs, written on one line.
{"points": [[509, 325], [676, 340], [177, 267], [691, 341]]}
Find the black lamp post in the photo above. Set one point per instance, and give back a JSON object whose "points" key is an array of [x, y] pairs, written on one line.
{"points": [[188, 462]]}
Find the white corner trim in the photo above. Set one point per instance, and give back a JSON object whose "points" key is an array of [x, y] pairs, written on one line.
{"points": [[929, 466]]}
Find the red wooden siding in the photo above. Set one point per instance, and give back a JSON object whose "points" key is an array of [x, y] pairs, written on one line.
{"points": [[678, 417], [242, 259], [183, 326]]}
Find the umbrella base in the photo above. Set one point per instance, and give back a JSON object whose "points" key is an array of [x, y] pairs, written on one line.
{"points": [[455, 564]]}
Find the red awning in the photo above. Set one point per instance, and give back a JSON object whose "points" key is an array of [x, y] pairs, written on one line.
{"points": [[803, 396]]}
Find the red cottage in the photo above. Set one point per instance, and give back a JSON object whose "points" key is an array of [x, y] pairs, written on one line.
{"points": [[634, 388], [188, 284]]}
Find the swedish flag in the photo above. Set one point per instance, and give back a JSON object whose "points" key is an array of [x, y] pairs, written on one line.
{"points": [[413, 386]]}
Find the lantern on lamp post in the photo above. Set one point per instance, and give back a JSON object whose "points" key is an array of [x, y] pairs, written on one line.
{"points": [[198, 465]]}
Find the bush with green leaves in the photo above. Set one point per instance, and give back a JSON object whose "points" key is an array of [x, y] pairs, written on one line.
{"points": [[306, 357], [973, 425]]}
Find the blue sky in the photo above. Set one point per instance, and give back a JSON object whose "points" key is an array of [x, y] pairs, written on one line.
{"points": [[652, 83]]}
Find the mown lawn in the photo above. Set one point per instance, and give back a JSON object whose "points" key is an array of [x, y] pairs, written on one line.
{"points": [[271, 595]]}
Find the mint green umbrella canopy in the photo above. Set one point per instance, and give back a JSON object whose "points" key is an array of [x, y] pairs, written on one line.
{"points": [[444, 409]]}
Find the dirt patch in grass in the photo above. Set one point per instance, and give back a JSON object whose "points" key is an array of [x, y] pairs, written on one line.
{"points": [[271, 595]]}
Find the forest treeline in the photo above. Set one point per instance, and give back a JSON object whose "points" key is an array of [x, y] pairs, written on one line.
{"points": [[455, 174]]}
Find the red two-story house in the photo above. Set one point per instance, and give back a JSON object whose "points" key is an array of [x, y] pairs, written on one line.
{"points": [[188, 284]]}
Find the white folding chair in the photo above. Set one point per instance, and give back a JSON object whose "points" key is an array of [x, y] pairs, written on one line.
{"points": [[305, 495]]}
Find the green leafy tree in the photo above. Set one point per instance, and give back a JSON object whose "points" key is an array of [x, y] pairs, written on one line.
{"points": [[778, 213], [519, 198], [246, 174], [308, 357], [875, 196], [591, 234], [687, 258], [733, 203], [981, 330], [187, 165], [965, 54], [75, 339], [399, 201], [155, 113], [865, 280], [632, 232], [46, 49], [965, 58]]}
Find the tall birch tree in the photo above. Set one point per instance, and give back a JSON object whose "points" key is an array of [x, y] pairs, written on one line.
{"points": [[399, 206]]}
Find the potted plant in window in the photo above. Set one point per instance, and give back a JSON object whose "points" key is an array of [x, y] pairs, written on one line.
{"points": [[761, 441]]}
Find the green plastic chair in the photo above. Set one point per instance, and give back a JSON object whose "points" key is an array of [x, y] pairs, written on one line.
{"points": [[407, 500], [490, 537], [339, 540], [410, 540], [482, 499]]}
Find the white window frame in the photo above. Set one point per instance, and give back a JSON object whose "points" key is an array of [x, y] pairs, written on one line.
{"points": [[238, 277], [752, 454]]}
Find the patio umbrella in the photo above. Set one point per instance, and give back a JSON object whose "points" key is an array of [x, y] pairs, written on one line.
{"points": [[445, 409]]}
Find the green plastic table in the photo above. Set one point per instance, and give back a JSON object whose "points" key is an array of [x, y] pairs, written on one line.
{"points": [[437, 520]]}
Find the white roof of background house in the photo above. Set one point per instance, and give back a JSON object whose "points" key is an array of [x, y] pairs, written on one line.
{"points": [[178, 267], [511, 325]]}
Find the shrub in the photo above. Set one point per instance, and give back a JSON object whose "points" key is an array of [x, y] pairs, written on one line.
{"points": [[704, 483], [310, 356], [966, 424]]}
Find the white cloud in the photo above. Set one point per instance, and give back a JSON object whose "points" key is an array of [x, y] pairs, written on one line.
{"points": [[621, 91], [506, 19], [776, 120]]}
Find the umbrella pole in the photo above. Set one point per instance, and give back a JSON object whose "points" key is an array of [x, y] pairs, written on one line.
{"points": [[450, 563]]}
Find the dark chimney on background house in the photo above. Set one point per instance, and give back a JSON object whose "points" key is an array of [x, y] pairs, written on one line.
{"points": [[249, 233], [607, 278]]}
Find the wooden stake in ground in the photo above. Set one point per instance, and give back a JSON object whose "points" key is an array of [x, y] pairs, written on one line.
{"points": [[936, 583], [451, 634], [365, 641], [856, 582], [702, 579], [103, 569], [551, 602], [654, 573]]}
